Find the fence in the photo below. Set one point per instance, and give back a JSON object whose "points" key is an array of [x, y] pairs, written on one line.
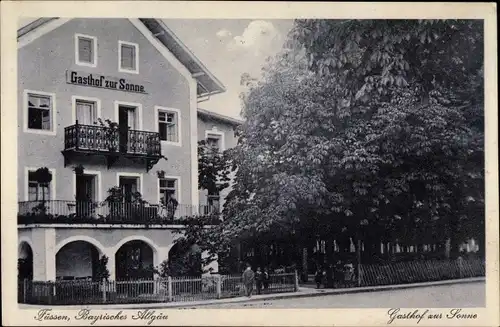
{"points": [[62, 211], [420, 271], [171, 289]]}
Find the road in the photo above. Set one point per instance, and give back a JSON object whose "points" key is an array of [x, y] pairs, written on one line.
{"points": [[444, 296]]}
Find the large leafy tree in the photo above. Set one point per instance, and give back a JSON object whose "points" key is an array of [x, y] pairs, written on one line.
{"points": [[367, 129], [413, 90]]}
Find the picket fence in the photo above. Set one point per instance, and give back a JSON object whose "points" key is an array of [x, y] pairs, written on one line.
{"points": [[170, 289], [420, 271]]}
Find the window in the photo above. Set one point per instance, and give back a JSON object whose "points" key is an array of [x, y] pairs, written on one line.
{"points": [[36, 190], [39, 111], [213, 201], [168, 126], [168, 189], [86, 50], [128, 57], [86, 111], [213, 143], [214, 140]]}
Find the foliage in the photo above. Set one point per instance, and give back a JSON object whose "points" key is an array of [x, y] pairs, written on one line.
{"points": [[366, 129], [185, 260], [110, 133], [102, 271], [164, 269], [43, 176], [79, 170], [25, 268], [214, 168]]}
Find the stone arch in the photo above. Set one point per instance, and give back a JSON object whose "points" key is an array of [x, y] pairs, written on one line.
{"points": [[26, 240], [78, 258], [25, 259], [83, 238], [134, 257], [145, 239]]}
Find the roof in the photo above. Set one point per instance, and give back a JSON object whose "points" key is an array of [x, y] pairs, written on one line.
{"points": [[208, 84], [213, 115]]}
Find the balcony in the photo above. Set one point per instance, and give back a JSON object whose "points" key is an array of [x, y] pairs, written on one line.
{"points": [[111, 143], [84, 212]]}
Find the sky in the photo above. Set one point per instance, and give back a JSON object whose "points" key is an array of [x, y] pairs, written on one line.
{"points": [[229, 48]]}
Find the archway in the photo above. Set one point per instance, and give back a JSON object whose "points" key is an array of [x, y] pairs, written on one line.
{"points": [[77, 260], [135, 260], [185, 260], [25, 261]]}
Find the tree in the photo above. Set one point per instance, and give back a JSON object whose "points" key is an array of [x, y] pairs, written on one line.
{"points": [[373, 123], [214, 168], [43, 176], [102, 271]]}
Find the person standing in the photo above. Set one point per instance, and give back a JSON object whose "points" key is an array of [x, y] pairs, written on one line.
{"points": [[318, 277], [266, 278], [248, 280], [258, 280]]}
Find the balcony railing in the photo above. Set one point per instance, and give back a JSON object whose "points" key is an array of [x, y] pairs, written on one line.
{"points": [[112, 143], [80, 212], [105, 139]]}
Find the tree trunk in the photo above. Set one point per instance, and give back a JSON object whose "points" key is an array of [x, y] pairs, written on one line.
{"points": [[329, 262]]}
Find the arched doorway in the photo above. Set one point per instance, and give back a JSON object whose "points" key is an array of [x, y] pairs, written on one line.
{"points": [[185, 260], [134, 260], [25, 261], [77, 260]]}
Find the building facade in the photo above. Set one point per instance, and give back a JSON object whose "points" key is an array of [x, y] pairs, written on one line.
{"points": [[110, 108]]}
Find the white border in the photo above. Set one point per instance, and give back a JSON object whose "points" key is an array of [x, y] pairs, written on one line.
{"points": [[130, 104], [52, 183], [218, 133], [53, 113], [125, 174], [77, 53], [178, 188], [126, 70], [179, 125], [74, 98], [96, 173]]}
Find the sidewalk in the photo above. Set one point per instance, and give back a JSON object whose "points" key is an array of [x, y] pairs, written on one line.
{"points": [[302, 292]]}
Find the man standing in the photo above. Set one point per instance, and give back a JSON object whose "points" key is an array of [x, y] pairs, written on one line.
{"points": [[248, 280], [258, 280]]}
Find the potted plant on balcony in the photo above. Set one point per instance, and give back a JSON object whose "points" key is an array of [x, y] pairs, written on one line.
{"points": [[136, 210], [170, 204], [43, 177], [110, 134], [160, 174], [79, 170]]}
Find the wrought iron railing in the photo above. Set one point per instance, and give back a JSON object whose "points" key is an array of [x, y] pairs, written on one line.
{"points": [[61, 211], [108, 139]]}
